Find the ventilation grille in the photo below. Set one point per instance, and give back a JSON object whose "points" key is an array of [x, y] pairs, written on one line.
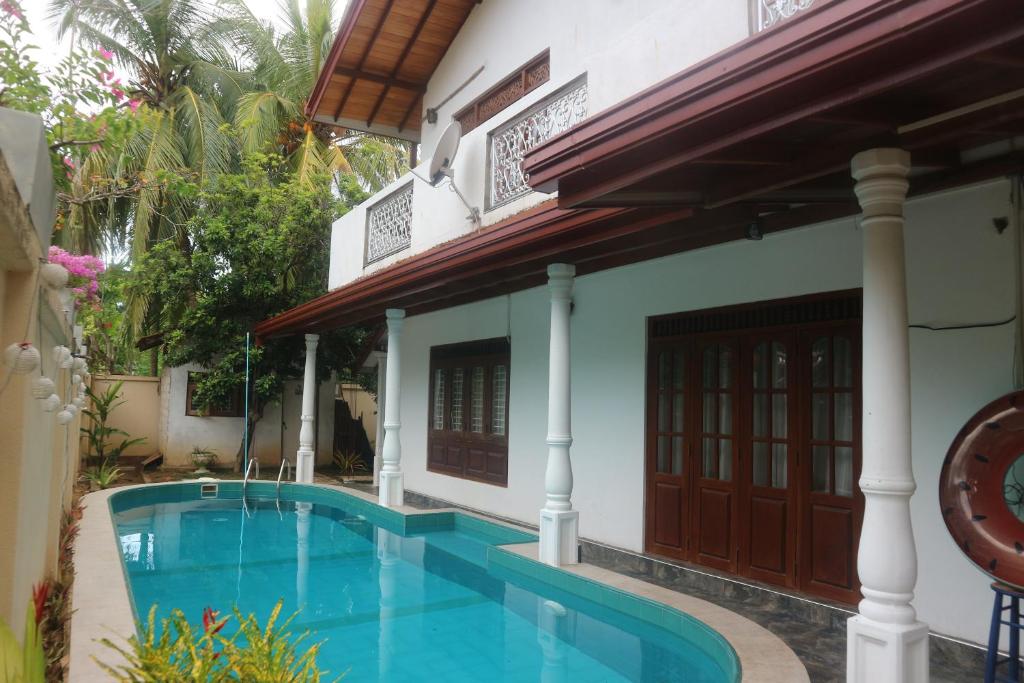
{"points": [[829, 308]]}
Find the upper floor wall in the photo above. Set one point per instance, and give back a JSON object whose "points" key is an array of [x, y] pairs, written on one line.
{"points": [[535, 68]]}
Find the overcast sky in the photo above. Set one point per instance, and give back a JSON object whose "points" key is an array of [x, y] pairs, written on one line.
{"points": [[51, 52]]}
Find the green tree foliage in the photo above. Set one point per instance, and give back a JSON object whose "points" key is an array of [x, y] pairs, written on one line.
{"points": [[258, 244], [283, 67]]}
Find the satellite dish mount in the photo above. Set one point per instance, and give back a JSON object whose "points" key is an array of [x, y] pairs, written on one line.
{"points": [[441, 166]]}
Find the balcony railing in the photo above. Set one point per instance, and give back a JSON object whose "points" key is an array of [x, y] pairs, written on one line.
{"points": [[768, 13], [508, 143], [389, 225]]}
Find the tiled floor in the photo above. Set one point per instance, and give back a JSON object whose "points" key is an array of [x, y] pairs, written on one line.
{"points": [[815, 631]]}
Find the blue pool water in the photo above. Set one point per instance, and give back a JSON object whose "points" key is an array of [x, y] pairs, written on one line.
{"points": [[420, 598]]}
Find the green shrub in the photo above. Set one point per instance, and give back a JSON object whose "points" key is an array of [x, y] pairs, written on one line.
{"points": [[175, 652]]}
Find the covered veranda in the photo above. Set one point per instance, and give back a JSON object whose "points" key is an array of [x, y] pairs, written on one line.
{"points": [[845, 110]]}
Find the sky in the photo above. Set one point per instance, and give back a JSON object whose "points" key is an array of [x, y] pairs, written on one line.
{"points": [[51, 51]]}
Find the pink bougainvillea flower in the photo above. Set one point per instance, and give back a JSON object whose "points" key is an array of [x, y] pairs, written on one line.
{"points": [[68, 162], [134, 105], [106, 54], [106, 76], [117, 93], [94, 147], [12, 9]]}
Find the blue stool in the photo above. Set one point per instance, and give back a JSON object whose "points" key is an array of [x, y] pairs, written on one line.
{"points": [[992, 661]]}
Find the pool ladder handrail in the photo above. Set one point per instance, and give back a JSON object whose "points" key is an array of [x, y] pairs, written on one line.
{"points": [[285, 462], [245, 481]]}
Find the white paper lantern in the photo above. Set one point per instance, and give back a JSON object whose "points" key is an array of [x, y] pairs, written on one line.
{"points": [[64, 417], [79, 402], [54, 275], [58, 353], [51, 403], [71, 408], [78, 364], [42, 387], [66, 360], [76, 379], [21, 358]]}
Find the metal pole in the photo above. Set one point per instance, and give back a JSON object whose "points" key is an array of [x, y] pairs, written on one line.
{"points": [[245, 427]]}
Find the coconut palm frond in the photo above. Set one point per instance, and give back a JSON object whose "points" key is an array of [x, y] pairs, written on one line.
{"points": [[260, 118], [205, 146]]}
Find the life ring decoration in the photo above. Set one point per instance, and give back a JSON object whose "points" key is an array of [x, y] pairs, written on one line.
{"points": [[981, 489]]}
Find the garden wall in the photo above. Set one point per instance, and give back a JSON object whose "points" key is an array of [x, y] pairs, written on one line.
{"points": [[138, 415]]}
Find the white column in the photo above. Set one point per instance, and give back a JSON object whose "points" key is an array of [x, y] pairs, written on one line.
{"points": [[885, 642], [305, 456], [559, 523], [378, 441], [391, 489]]}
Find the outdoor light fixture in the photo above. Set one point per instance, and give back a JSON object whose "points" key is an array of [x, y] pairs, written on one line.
{"points": [[64, 417], [754, 230], [21, 358], [54, 275], [51, 403], [42, 387]]}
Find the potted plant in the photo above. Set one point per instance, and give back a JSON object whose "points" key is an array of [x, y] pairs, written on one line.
{"points": [[202, 458], [350, 463]]}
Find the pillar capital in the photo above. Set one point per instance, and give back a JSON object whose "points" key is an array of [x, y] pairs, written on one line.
{"points": [[881, 176], [312, 339], [560, 280]]}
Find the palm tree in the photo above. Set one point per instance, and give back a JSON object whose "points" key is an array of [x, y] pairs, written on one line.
{"points": [[180, 77], [285, 66]]}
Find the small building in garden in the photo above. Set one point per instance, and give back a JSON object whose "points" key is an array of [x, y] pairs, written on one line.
{"points": [[735, 275]]}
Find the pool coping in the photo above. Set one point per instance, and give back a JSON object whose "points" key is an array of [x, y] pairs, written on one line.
{"points": [[102, 606]]}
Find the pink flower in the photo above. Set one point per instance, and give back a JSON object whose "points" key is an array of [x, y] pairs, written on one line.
{"points": [[94, 148], [68, 162], [106, 54], [10, 8], [134, 105], [117, 93], [106, 75]]}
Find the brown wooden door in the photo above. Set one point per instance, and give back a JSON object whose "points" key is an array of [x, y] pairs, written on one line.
{"points": [[832, 502], [715, 520], [768, 442], [753, 441], [668, 448]]}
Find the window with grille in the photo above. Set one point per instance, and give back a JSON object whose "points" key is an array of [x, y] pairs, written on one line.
{"points": [[469, 410]]}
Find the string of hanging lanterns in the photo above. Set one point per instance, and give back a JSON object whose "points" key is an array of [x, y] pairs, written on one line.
{"points": [[23, 357]]}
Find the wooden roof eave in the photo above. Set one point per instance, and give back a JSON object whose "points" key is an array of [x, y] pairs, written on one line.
{"points": [[721, 102]]}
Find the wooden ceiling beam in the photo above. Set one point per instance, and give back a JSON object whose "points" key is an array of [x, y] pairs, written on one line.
{"points": [[387, 81], [362, 60], [401, 62]]}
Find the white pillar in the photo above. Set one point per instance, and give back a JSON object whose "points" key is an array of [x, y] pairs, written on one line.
{"points": [[305, 456], [391, 489], [559, 523], [885, 642], [378, 441]]}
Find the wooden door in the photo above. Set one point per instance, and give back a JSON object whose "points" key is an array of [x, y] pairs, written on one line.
{"points": [[769, 435], [715, 520], [668, 480], [832, 502]]}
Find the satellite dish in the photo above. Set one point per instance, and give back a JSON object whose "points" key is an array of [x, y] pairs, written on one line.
{"points": [[444, 153]]}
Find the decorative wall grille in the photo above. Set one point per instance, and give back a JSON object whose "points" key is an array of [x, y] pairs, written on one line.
{"points": [[389, 225], [771, 12], [506, 93], [509, 143]]}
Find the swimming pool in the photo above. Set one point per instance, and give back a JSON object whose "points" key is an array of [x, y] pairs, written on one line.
{"points": [[423, 597]]}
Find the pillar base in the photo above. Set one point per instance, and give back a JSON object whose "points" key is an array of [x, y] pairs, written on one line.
{"points": [[877, 651], [304, 467], [559, 537], [391, 490]]}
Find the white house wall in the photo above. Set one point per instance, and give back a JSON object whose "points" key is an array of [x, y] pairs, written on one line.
{"points": [[180, 433], [623, 46], [959, 270]]}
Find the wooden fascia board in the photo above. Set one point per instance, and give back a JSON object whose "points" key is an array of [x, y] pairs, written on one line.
{"points": [[323, 81]]}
